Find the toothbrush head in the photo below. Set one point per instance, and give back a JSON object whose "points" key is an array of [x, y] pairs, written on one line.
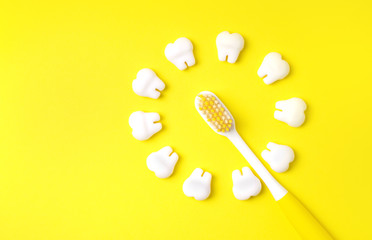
{"points": [[214, 112]]}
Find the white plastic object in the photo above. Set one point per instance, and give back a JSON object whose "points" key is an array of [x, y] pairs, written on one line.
{"points": [[291, 111], [229, 46], [180, 53], [277, 190], [198, 185], [279, 157], [144, 125], [245, 185], [273, 67], [162, 162], [147, 84]]}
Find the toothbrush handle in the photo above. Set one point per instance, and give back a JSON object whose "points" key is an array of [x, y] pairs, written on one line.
{"points": [[302, 220], [277, 190]]}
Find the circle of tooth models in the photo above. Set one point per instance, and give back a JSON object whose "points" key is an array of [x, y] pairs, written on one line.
{"points": [[144, 125], [180, 53], [148, 84], [162, 162], [245, 184], [229, 46], [198, 185], [279, 157], [273, 68], [291, 111], [214, 112]]}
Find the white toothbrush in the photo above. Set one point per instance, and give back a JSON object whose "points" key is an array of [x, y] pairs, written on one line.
{"points": [[218, 117]]}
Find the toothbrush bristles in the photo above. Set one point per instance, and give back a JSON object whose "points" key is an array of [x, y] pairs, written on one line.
{"points": [[214, 112]]}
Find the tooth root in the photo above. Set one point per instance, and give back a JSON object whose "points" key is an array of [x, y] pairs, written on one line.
{"points": [[246, 171], [156, 127], [280, 105], [190, 60], [279, 115], [207, 177], [222, 55], [269, 79], [197, 172], [159, 85], [272, 146], [155, 94], [236, 174], [262, 71], [265, 155], [232, 57]]}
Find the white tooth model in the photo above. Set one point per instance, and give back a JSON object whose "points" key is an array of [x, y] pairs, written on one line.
{"points": [[229, 46], [147, 84], [292, 111], [273, 67], [180, 53], [162, 162], [198, 186], [143, 124], [246, 185], [279, 157]]}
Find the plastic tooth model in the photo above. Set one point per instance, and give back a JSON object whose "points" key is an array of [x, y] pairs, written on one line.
{"points": [[162, 162], [144, 125], [292, 111], [229, 46], [279, 157], [180, 53], [218, 117], [198, 185], [273, 67], [148, 84], [246, 185]]}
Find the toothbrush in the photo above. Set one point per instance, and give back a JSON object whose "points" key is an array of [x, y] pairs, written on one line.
{"points": [[218, 117]]}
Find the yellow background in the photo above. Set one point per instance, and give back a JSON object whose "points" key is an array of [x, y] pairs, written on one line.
{"points": [[70, 169]]}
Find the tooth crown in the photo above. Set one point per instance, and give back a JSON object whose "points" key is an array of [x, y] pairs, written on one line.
{"points": [[147, 83], [273, 67], [180, 53], [245, 185], [143, 125], [229, 46], [293, 111], [198, 186], [279, 157], [162, 162]]}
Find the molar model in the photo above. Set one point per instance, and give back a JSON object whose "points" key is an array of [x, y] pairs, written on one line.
{"points": [[144, 125]]}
